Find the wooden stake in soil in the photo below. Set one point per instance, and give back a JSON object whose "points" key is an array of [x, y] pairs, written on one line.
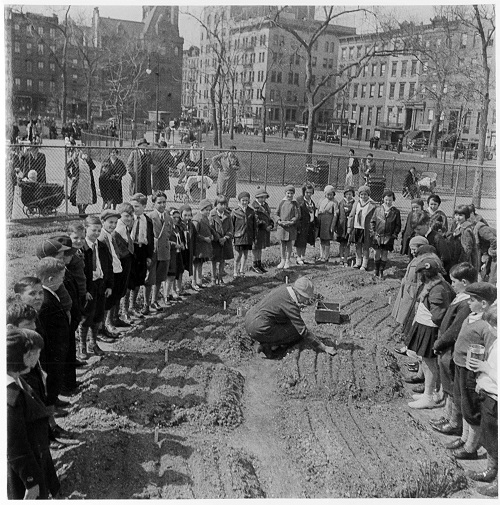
{"points": [[166, 356], [390, 300], [286, 279], [156, 434], [225, 305]]}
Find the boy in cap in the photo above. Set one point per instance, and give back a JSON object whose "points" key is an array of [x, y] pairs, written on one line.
{"points": [[109, 219], [264, 226], [203, 243], [275, 322], [474, 331], [99, 274], [245, 230]]}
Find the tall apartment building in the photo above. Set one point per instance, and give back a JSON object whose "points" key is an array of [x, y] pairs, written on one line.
{"points": [[391, 90], [190, 78], [34, 47], [268, 65]]}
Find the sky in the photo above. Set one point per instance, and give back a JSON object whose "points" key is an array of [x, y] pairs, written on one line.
{"points": [[120, 10]]}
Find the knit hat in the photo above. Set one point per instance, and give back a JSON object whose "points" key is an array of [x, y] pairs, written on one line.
{"points": [[184, 207], [107, 213], [425, 249], [244, 194], [304, 287], [364, 188], [205, 203], [290, 188], [418, 241], [49, 247], [66, 241], [329, 189], [429, 264], [351, 189], [262, 192], [482, 291]]}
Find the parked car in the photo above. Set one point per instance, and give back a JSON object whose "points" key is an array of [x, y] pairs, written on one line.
{"points": [[419, 144]]}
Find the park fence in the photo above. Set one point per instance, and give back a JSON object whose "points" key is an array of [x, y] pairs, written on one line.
{"points": [[187, 175]]}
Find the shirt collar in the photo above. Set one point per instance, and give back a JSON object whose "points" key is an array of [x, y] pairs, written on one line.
{"points": [[90, 243], [52, 292], [293, 295], [475, 316]]}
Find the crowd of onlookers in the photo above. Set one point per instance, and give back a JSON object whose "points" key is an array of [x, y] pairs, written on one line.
{"points": [[93, 284]]}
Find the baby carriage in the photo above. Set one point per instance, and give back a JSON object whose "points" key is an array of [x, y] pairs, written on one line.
{"points": [[427, 182], [40, 198]]}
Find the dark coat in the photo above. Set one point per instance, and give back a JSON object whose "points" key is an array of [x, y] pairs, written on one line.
{"points": [[73, 170], [384, 229], [341, 228], [202, 249], [263, 217], [39, 164], [222, 227], [162, 160], [28, 453], [244, 226], [110, 180], [436, 240], [189, 237], [53, 326], [408, 233], [139, 168], [106, 264], [451, 325], [306, 229]]}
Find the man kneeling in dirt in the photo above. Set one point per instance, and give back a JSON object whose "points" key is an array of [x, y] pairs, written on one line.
{"points": [[275, 321]]}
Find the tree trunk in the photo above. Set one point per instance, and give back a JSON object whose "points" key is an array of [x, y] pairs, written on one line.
{"points": [[433, 140], [214, 116], [478, 173], [220, 122], [310, 129], [64, 112], [231, 119], [264, 120], [89, 103]]}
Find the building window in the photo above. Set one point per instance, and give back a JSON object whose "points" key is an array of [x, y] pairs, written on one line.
{"points": [[273, 76], [290, 78], [478, 122], [404, 65], [365, 70], [325, 62], [374, 70], [17, 82], [361, 114], [326, 46], [414, 67], [40, 65], [344, 53], [351, 52], [369, 116], [272, 94], [29, 83], [29, 47], [463, 41], [40, 85], [378, 114], [394, 68], [380, 90], [40, 49], [40, 30], [296, 79], [16, 27], [363, 91], [332, 47], [29, 66], [17, 47], [372, 90], [353, 111], [355, 90], [382, 69], [313, 61], [289, 95], [330, 63], [52, 33], [411, 93], [359, 51], [402, 89], [399, 114], [279, 76], [392, 87]]}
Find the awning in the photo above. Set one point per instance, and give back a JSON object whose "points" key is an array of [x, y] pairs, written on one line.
{"points": [[413, 134], [448, 137]]}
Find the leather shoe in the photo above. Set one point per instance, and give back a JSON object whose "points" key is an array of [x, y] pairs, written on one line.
{"points": [[156, 306], [80, 364], [487, 476], [461, 453], [61, 403], [491, 490], [120, 323], [456, 444], [437, 422], [59, 432], [98, 351], [414, 379], [419, 388], [105, 331], [106, 340], [447, 429], [401, 350]]}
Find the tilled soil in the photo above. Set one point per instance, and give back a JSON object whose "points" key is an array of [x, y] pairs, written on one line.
{"points": [[181, 407]]}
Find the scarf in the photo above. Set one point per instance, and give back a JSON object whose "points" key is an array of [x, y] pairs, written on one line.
{"points": [[361, 213], [143, 229]]}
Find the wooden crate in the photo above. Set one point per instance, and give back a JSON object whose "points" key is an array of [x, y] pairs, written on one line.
{"points": [[327, 312]]}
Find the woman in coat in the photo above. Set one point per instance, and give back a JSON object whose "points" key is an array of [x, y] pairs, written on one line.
{"points": [[79, 170], [417, 205], [110, 181], [307, 224], [327, 220], [341, 228], [385, 226], [30, 470]]}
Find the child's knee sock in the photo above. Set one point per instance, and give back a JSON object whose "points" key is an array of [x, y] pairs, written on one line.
{"points": [[472, 443]]}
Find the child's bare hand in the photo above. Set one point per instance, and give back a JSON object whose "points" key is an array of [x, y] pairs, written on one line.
{"points": [[208, 240], [88, 297], [108, 292], [148, 262]]}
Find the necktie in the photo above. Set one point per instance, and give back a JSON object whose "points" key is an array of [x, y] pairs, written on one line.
{"points": [[138, 224], [94, 257], [130, 244], [108, 243], [162, 219]]}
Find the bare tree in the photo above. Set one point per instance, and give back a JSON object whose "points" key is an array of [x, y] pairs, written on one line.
{"points": [[480, 19], [339, 77]]}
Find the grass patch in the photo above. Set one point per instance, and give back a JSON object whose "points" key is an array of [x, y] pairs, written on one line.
{"points": [[433, 481]]}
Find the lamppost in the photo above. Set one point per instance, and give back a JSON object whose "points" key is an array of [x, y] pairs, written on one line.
{"points": [[149, 71]]}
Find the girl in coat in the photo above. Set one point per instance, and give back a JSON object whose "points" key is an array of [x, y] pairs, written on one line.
{"points": [[110, 181], [264, 226], [176, 264], [341, 228], [417, 206], [307, 224], [188, 239], [288, 215], [359, 226], [203, 243], [433, 298], [385, 226], [464, 233], [245, 232], [80, 171], [439, 221], [222, 230], [327, 217]]}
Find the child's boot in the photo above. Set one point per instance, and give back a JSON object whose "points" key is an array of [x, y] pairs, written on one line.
{"points": [[377, 267], [255, 267], [364, 265], [81, 334], [261, 268], [382, 268], [92, 345]]}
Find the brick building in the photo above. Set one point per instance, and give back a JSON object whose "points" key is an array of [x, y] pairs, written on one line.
{"points": [[190, 81]]}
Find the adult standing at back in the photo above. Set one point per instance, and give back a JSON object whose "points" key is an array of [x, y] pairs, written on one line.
{"points": [[139, 166], [369, 168], [227, 165], [352, 170], [35, 160]]}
